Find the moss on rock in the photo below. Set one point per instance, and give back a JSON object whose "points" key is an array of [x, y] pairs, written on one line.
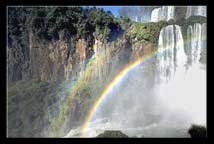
{"points": [[147, 31]]}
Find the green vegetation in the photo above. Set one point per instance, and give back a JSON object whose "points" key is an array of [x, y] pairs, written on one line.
{"points": [[23, 98], [82, 99], [197, 131], [31, 104], [34, 105], [124, 22], [147, 31], [82, 94], [47, 22]]}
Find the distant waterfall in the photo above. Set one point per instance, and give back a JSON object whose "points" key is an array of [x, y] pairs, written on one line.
{"points": [[155, 16], [171, 51], [196, 11], [196, 42], [163, 13]]}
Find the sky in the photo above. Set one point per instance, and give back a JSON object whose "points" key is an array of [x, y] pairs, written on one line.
{"points": [[113, 9]]}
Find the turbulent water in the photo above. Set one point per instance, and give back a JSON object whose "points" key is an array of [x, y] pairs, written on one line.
{"points": [[185, 92], [162, 96], [163, 13]]}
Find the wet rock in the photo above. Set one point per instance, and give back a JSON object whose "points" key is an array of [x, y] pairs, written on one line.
{"points": [[112, 134], [197, 131]]}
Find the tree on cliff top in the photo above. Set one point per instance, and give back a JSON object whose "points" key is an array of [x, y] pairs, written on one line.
{"points": [[46, 22]]}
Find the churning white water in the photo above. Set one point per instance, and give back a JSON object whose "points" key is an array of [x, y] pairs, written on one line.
{"points": [[186, 91], [159, 101]]}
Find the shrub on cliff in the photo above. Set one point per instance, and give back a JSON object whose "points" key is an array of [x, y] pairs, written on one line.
{"points": [[147, 31]]}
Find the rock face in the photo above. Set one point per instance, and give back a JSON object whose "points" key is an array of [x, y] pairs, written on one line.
{"points": [[54, 60], [112, 134], [197, 131], [41, 74], [36, 71]]}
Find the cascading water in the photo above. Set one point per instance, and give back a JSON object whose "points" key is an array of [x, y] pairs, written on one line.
{"points": [[171, 51], [196, 36], [163, 13], [155, 15], [139, 106], [185, 94], [196, 11]]}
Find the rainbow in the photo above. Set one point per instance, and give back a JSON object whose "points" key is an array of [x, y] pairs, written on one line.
{"points": [[114, 82], [110, 86]]}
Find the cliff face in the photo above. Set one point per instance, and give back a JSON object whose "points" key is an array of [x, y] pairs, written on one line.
{"points": [[41, 108], [53, 84], [46, 64], [54, 60]]}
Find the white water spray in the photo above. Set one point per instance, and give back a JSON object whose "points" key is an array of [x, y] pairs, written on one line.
{"points": [[168, 108], [185, 94]]}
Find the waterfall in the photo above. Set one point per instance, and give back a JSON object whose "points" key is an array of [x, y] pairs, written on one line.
{"points": [[196, 11], [174, 54], [181, 90], [164, 109], [155, 15], [196, 42], [204, 43], [171, 51], [168, 12], [163, 13], [173, 104]]}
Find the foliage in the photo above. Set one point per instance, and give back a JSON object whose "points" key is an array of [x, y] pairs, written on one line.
{"points": [[47, 22], [146, 31], [124, 22], [28, 103], [81, 93]]}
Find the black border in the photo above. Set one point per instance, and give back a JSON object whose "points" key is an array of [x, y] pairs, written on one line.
{"points": [[106, 2], [3, 77]]}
